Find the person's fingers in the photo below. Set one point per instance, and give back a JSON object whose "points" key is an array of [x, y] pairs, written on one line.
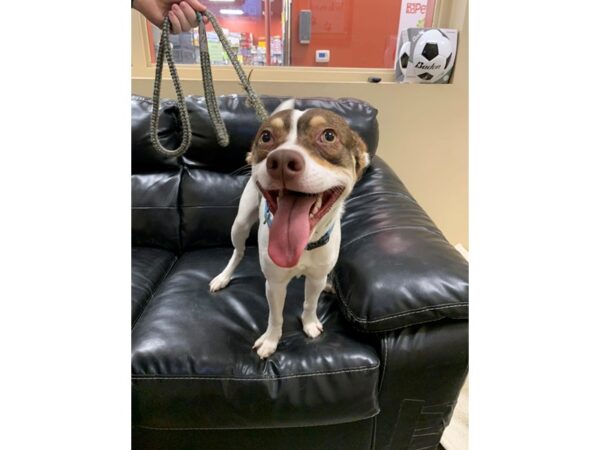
{"points": [[189, 13], [196, 5], [185, 25], [175, 25]]}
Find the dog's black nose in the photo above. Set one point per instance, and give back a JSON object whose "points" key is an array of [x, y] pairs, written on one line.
{"points": [[285, 164]]}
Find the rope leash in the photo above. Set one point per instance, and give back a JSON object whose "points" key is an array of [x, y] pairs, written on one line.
{"points": [[164, 50]]}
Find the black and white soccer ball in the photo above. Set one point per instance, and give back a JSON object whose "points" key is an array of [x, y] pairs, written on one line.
{"points": [[404, 57], [432, 56]]}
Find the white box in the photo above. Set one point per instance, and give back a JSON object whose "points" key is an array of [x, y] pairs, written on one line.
{"points": [[322, 56]]}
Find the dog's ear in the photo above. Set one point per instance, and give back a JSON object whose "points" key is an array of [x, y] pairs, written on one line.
{"points": [[361, 155], [286, 104]]}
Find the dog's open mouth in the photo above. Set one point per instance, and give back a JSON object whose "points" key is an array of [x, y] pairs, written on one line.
{"points": [[295, 215]]}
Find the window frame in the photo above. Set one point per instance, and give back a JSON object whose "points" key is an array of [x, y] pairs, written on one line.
{"points": [[142, 67]]}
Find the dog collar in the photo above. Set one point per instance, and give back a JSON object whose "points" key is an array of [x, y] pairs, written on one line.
{"points": [[311, 245]]}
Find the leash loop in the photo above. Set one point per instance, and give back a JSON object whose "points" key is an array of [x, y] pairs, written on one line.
{"points": [[164, 50]]}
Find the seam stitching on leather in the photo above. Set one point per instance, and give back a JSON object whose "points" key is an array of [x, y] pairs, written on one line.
{"points": [[208, 206], [154, 207], [250, 428], [402, 314], [374, 431], [395, 328], [179, 202], [287, 377], [383, 341]]}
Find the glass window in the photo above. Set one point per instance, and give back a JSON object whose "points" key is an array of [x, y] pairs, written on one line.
{"points": [[342, 33]]}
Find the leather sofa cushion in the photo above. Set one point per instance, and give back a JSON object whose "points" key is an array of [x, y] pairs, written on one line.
{"points": [[155, 219], [149, 266], [395, 267], [193, 366], [209, 204]]}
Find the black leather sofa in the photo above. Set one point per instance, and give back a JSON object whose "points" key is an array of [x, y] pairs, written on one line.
{"points": [[385, 374]]}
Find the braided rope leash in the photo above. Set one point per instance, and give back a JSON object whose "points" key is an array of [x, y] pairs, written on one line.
{"points": [[208, 84], [164, 49], [209, 90]]}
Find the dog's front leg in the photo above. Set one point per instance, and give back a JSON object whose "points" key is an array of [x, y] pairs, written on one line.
{"points": [[246, 216], [313, 286], [267, 344]]}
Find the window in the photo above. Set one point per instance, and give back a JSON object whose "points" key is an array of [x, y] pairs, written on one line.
{"points": [[342, 33]]}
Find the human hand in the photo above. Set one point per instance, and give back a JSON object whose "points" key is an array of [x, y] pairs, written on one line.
{"points": [[181, 13]]}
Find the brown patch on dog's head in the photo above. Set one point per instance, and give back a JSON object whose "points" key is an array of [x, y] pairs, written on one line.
{"points": [[277, 122], [331, 143], [317, 120]]}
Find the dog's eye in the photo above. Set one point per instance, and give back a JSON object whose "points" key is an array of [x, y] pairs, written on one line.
{"points": [[328, 135], [266, 136]]}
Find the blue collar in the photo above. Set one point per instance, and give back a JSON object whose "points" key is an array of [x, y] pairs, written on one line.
{"points": [[311, 245]]}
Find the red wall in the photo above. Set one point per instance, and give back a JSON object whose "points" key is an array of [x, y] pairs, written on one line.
{"points": [[358, 33]]}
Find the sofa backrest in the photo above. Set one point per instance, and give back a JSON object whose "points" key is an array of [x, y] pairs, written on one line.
{"points": [[242, 124], [155, 179], [191, 201]]}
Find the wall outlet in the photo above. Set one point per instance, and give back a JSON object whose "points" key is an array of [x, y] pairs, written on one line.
{"points": [[322, 56]]}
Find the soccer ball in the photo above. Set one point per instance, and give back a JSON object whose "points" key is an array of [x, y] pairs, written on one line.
{"points": [[404, 57], [432, 56]]}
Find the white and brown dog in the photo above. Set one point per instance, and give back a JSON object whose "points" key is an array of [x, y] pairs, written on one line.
{"points": [[305, 164]]}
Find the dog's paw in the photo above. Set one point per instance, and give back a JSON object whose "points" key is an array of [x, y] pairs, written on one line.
{"points": [[265, 346], [312, 328], [219, 282]]}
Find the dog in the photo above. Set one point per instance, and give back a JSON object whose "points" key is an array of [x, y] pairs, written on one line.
{"points": [[304, 166]]}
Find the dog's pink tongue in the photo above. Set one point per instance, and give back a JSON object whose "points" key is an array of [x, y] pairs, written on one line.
{"points": [[290, 229]]}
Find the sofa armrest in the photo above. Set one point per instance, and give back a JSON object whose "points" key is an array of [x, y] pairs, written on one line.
{"points": [[422, 371], [395, 267]]}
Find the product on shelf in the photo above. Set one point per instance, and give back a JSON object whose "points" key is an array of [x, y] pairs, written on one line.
{"points": [[261, 52], [246, 44], [234, 40], [276, 51]]}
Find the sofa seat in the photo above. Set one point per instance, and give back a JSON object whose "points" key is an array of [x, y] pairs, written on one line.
{"points": [[193, 367], [149, 266]]}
